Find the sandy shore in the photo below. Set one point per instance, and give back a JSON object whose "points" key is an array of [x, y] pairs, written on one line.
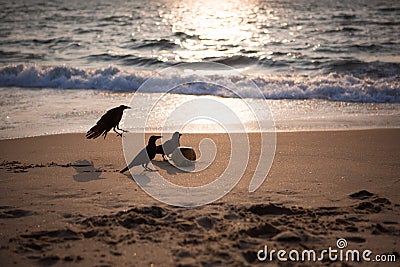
{"points": [[63, 202]]}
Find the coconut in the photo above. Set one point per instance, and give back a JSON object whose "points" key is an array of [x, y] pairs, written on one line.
{"points": [[184, 156]]}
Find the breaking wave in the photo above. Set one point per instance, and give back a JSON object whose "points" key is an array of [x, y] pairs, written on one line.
{"points": [[339, 84]]}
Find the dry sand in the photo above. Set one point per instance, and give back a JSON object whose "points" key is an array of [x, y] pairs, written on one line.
{"points": [[63, 202]]}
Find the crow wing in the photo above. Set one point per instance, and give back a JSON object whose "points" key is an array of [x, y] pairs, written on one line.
{"points": [[169, 146], [159, 150], [106, 123]]}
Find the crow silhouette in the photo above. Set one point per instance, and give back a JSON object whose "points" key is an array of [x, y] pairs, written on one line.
{"points": [[108, 121], [145, 155], [169, 146]]}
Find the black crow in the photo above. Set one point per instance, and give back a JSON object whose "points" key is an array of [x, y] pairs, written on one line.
{"points": [[169, 146], [145, 155], [108, 121]]}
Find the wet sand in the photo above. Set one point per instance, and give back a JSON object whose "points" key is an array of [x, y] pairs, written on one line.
{"points": [[63, 202]]}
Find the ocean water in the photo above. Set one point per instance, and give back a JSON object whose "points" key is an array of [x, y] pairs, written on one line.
{"points": [[320, 64]]}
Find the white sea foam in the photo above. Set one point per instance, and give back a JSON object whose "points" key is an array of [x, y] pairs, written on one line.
{"points": [[334, 86]]}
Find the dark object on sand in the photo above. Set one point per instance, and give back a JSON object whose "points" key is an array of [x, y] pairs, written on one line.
{"points": [[145, 155], [108, 121], [169, 146], [184, 156]]}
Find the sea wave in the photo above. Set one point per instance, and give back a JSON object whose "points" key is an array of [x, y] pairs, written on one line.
{"points": [[339, 85], [126, 60]]}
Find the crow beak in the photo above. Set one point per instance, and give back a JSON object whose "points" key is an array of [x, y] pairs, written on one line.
{"points": [[180, 134], [128, 107]]}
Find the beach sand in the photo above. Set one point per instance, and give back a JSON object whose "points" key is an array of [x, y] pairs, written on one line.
{"points": [[63, 202]]}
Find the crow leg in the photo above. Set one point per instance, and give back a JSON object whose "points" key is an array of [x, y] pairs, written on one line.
{"points": [[119, 134], [124, 131], [149, 169], [105, 134], [146, 167]]}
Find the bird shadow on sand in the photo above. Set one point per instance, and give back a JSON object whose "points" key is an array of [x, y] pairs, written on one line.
{"points": [[143, 179], [85, 171], [171, 169]]}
